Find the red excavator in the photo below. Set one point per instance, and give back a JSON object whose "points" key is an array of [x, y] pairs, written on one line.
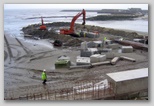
{"points": [[42, 27], [71, 30]]}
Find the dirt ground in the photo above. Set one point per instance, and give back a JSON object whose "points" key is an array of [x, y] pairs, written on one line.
{"points": [[26, 58]]}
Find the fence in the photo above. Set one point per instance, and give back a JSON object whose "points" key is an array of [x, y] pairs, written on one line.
{"points": [[81, 90]]}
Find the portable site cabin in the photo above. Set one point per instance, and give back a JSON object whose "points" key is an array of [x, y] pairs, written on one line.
{"points": [[127, 82]]}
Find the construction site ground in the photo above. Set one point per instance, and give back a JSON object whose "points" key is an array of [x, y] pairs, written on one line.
{"points": [[24, 60]]}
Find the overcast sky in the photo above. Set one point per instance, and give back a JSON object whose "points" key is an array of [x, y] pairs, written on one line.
{"points": [[75, 6]]}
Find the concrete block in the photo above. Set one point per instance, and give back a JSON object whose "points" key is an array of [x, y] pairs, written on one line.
{"points": [[85, 53], [106, 50], [97, 58], [83, 61], [102, 58], [91, 44], [98, 43], [127, 49], [113, 46], [93, 50], [106, 42], [109, 55], [84, 45]]}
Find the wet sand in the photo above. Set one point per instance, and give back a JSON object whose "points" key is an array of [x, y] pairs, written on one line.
{"points": [[29, 57]]}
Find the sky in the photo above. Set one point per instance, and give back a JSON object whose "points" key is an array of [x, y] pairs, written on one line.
{"points": [[75, 6]]}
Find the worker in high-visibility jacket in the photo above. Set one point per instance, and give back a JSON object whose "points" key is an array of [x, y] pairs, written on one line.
{"points": [[44, 76], [104, 39]]}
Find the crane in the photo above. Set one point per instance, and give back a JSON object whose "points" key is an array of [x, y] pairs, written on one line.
{"points": [[70, 31], [42, 27]]}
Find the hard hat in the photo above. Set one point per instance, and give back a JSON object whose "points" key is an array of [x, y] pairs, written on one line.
{"points": [[44, 70]]}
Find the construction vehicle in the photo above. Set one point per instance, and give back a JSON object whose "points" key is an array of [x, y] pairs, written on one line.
{"points": [[70, 31], [42, 27], [57, 43]]}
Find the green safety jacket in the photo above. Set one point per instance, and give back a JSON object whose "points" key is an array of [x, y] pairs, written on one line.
{"points": [[44, 76], [105, 38]]}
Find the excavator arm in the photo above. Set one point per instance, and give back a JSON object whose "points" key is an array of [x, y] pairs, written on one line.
{"points": [[71, 30], [76, 17]]}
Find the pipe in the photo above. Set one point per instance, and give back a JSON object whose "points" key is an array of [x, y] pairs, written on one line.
{"points": [[133, 44]]}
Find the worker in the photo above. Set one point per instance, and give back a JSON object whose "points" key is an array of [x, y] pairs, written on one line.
{"points": [[104, 39], [44, 77]]}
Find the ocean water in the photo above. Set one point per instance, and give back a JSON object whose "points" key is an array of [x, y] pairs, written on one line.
{"points": [[15, 20]]}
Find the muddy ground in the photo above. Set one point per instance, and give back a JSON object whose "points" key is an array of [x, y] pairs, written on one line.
{"points": [[26, 58], [33, 31]]}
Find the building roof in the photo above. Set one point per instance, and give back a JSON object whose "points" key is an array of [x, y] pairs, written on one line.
{"points": [[129, 75]]}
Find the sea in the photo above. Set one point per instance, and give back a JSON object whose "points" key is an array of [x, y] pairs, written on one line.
{"points": [[16, 19]]}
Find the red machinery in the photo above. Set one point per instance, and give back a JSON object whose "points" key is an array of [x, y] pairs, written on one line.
{"points": [[71, 30], [42, 27]]}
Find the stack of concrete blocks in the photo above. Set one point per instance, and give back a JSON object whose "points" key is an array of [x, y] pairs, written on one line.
{"points": [[83, 60], [97, 58], [98, 43], [113, 46], [127, 49]]}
